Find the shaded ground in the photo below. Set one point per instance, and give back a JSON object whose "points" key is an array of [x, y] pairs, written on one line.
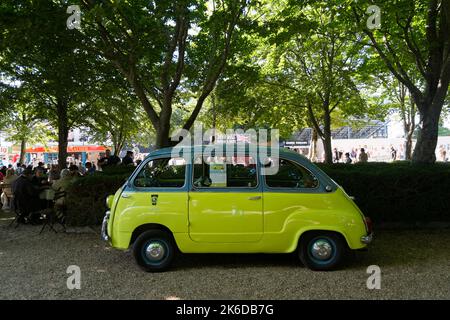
{"points": [[414, 264]]}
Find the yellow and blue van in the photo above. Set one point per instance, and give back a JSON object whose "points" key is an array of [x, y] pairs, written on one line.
{"points": [[194, 200]]}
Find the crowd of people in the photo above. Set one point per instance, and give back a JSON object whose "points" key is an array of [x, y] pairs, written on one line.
{"points": [[350, 157], [391, 154], [22, 185], [361, 155]]}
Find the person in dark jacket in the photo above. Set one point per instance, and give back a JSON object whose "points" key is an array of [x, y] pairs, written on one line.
{"points": [[26, 195], [128, 159], [39, 179], [108, 160], [41, 166]]}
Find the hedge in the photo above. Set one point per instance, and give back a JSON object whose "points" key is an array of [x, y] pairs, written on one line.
{"points": [[396, 192], [387, 192], [86, 196]]}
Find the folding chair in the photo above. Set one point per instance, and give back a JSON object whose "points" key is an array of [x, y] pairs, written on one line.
{"points": [[60, 209], [55, 214]]}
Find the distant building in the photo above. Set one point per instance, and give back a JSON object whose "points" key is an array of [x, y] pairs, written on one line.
{"points": [[375, 137]]}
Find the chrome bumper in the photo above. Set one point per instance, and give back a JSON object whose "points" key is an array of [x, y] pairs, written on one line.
{"points": [[105, 226], [367, 239]]}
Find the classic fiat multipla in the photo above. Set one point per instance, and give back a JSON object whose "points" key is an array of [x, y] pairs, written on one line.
{"points": [[193, 201]]}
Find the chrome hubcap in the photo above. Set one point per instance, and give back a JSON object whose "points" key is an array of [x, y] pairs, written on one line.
{"points": [[155, 251], [321, 249]]}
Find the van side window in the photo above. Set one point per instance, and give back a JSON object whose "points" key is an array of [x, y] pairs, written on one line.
{"points": [[225, 172], [291, 175], [162, 173]]}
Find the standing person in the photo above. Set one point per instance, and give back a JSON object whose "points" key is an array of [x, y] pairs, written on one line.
{"points": [[363, 157], [393, 154], [108, 160], [41, 167], [74, 172], [348, 160], [53, 173], [82, 169], [354, 153], [90, 169], [128, 159], [443, 153], [336, 155], [19, 169]]}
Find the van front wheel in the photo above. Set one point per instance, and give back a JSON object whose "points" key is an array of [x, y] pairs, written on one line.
{"points": [[322, 251], [154, 250]]}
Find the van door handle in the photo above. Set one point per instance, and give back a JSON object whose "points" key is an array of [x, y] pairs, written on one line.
{"points": [[254, 198]]}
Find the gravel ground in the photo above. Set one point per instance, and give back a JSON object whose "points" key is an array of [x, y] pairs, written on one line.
{"points": [[414, 265]]}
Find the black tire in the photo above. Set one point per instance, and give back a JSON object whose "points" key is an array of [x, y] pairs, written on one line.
{"points": [[329, 240], [163, 245]]}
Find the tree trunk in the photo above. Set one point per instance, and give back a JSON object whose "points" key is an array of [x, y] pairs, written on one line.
{"points": [[327, 149], [63, 133], [435, 70], [119, 142], [327, 138], [23, 144], [163, 138], [408, 145], [119, 147], [425, 150], [409, 126], [313, 147], [214, 116]]}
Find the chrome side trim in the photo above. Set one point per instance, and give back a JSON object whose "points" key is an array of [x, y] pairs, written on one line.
{"points": [[105, 236]]}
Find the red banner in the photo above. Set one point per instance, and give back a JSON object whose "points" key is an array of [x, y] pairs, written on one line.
{"points": [[70, 149]]}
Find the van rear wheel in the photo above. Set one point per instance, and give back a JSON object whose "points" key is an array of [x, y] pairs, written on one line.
{"points": [[322, 251], [154, 250]]}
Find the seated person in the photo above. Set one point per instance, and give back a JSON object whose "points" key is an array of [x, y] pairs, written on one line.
{"points": [[39, 179], [26, 196], [62, 185], [7, 191]]}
